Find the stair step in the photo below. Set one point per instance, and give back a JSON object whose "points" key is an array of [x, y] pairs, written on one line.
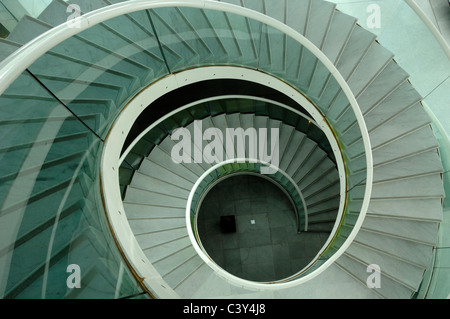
{"points": [[289, 154], [177, 276], [335, 281], [192, 284], [37, 214], [159, 252], [409, 166], [316, 164], [301, 157], [36, 185], [319, 20], [323, 217], [140, 196], [143, 226], [357, 46], [175, 261], [8, 47], [390, 86], [327, 179], [94, 76], [88, 6], [152, 184], [408, 274], [408, 208], [389, 288], [147, 240], [421, 186], [418, 231], [56, 13], [30, 258], [81, 49], [81, 68], [137, 211], [339, 32], [16, 156], [325, 227], [157, 171], [373, 62], [406, 122], [158, 156], [411, 252]]}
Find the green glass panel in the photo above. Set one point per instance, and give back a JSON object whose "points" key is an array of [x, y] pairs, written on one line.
{"points": [[51, 202], [95, 72]]}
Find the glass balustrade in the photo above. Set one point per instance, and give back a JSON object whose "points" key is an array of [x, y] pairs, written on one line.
{"points": [[51, 211]]}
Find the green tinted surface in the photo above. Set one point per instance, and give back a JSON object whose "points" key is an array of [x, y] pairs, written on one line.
{"points": [[193, 37], [51, 212], [98, 70]]}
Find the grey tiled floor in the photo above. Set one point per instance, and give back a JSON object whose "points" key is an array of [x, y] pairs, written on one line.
{"points": [[268, 250]]}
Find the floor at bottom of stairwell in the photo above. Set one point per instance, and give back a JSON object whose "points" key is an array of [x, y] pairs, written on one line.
{"points": [[266, 245]]}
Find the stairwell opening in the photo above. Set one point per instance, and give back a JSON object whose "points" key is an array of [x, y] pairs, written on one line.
{"points": [[265, 245], [307, 145]]}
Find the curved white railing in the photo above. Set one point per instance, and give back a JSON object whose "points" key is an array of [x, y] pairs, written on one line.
{"points": [[340, 163], [125, 120], [194, 236], [253, 161], [439, 38], [13, 66]]}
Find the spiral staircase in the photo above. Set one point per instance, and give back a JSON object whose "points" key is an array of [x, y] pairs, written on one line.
{"points": [[370, 178]]}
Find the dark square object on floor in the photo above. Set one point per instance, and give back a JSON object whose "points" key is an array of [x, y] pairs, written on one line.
{"points": [[228, 224]]}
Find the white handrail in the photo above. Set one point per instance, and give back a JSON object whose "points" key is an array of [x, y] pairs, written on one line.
{"points": [[193, 237], [124, 122]]}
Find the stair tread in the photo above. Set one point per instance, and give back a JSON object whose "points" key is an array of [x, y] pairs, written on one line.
{"points": [[140, 196], [157, 171], [136, 211], [412, 252], [420, 231], [179, 275], [174, 261], [148, 183], [160, 252], [143, 226], [193, 283], [421, 186], [408, 274], [409, 166]]}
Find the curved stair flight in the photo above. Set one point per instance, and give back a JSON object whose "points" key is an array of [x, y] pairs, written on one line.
{"points": [[56, 116]]}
